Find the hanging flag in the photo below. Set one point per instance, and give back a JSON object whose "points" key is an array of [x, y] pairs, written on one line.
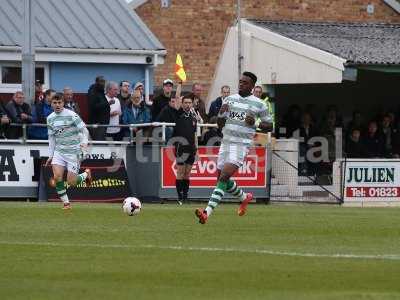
{"points": [[179, 70]]}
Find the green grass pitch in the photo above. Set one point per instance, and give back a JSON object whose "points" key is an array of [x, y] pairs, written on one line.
{"points": [[273, 252]]}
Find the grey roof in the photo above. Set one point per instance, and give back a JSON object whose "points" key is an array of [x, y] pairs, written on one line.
{"points": [[84, 24], [366, 43]]}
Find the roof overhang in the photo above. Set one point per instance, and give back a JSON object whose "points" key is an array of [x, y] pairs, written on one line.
{"points": [[111, 56], [393, 4], [275, 59]]}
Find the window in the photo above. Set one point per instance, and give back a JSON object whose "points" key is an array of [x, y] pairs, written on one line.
{"points": [[11, 76]]}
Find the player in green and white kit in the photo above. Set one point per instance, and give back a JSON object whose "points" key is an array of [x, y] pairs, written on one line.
{"points": [[68, 137], [237, 115]]}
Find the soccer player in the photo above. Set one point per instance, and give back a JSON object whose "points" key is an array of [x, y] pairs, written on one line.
{"points": [[68, 137], [237, 116], [185, 146]]}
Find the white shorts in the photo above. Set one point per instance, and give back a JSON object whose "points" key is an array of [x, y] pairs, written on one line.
{"points": [[231, 153], [71, 162]]}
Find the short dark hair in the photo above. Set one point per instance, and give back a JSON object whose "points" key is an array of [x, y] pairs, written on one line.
{"points": [[58, 96], [188, 96], [98, 78], [48, 92], [122, 82], [252, 76]]}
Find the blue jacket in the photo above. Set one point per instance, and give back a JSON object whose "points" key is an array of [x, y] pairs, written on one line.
{"points": [[143, 115], [40, 112], [215, 107]]}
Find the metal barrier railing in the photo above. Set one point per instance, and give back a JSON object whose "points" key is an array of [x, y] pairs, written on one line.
{"points": [[128, 140]]}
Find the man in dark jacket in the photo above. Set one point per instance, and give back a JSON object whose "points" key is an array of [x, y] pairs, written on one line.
{"points": [[40, 111], [124, 95], [168, 114], [374, 145], [162, 100], [19, 112], [198, 104], [99, 108], [217, 103], [4, 121]]}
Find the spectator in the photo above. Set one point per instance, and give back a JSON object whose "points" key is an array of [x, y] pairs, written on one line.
{"points": [[136, 112], [162, 100], [124, 95], [40, 112], [99, 108], [217, 103], [198, 103], [4, 121], [355, 123], [372, 142], [115, 111], [213, 135], [169, 114], [306, 132], [69, 101], [354, 147], [333, 113], [386, 132], [39, 96], [140, 88], [258, 91], [19, 112], [292, 120]]}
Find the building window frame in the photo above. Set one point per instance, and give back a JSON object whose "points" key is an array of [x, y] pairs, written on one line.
{"points": [[11, 88]]}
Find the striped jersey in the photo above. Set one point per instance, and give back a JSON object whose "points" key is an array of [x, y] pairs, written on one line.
{"points": [[235, 129], [66, 127]]}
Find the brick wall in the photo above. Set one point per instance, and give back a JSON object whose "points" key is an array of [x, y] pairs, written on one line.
{"points": [[196, 28]]}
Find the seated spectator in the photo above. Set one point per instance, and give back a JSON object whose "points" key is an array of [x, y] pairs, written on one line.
{"points": [[4, 121], [124, 95], [99, 108], [135, 112], [162, 100], [113, 132], [354, 146], [19, 112], [198, 103], [373, 142], [217, 103], [69, 101], [40, 112], [213, 136]]}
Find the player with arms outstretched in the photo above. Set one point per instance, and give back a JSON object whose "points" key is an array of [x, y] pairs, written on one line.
{"points": [[68, 137], [237, 116]]}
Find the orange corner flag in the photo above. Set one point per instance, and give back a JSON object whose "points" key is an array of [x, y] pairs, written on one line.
{"points": [[179, 70]]}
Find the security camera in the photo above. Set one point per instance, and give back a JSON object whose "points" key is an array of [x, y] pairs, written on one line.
{"points": [[149, 59]]}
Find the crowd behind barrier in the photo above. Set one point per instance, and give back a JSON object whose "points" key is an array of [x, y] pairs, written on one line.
{"points": [[118, 112]]}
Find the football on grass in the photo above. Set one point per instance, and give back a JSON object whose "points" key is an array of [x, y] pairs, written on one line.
{"points": [[131, 206]]}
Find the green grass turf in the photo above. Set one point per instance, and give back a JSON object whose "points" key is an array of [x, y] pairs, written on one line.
{"points": [[96, 252]]}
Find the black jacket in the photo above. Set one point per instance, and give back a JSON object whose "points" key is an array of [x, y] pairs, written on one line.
{"points": [[168, 115], [99, 108], [159, 103], [14, 112]]}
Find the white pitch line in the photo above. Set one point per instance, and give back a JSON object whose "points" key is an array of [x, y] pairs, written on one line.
{"points": [[212, 249]]}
